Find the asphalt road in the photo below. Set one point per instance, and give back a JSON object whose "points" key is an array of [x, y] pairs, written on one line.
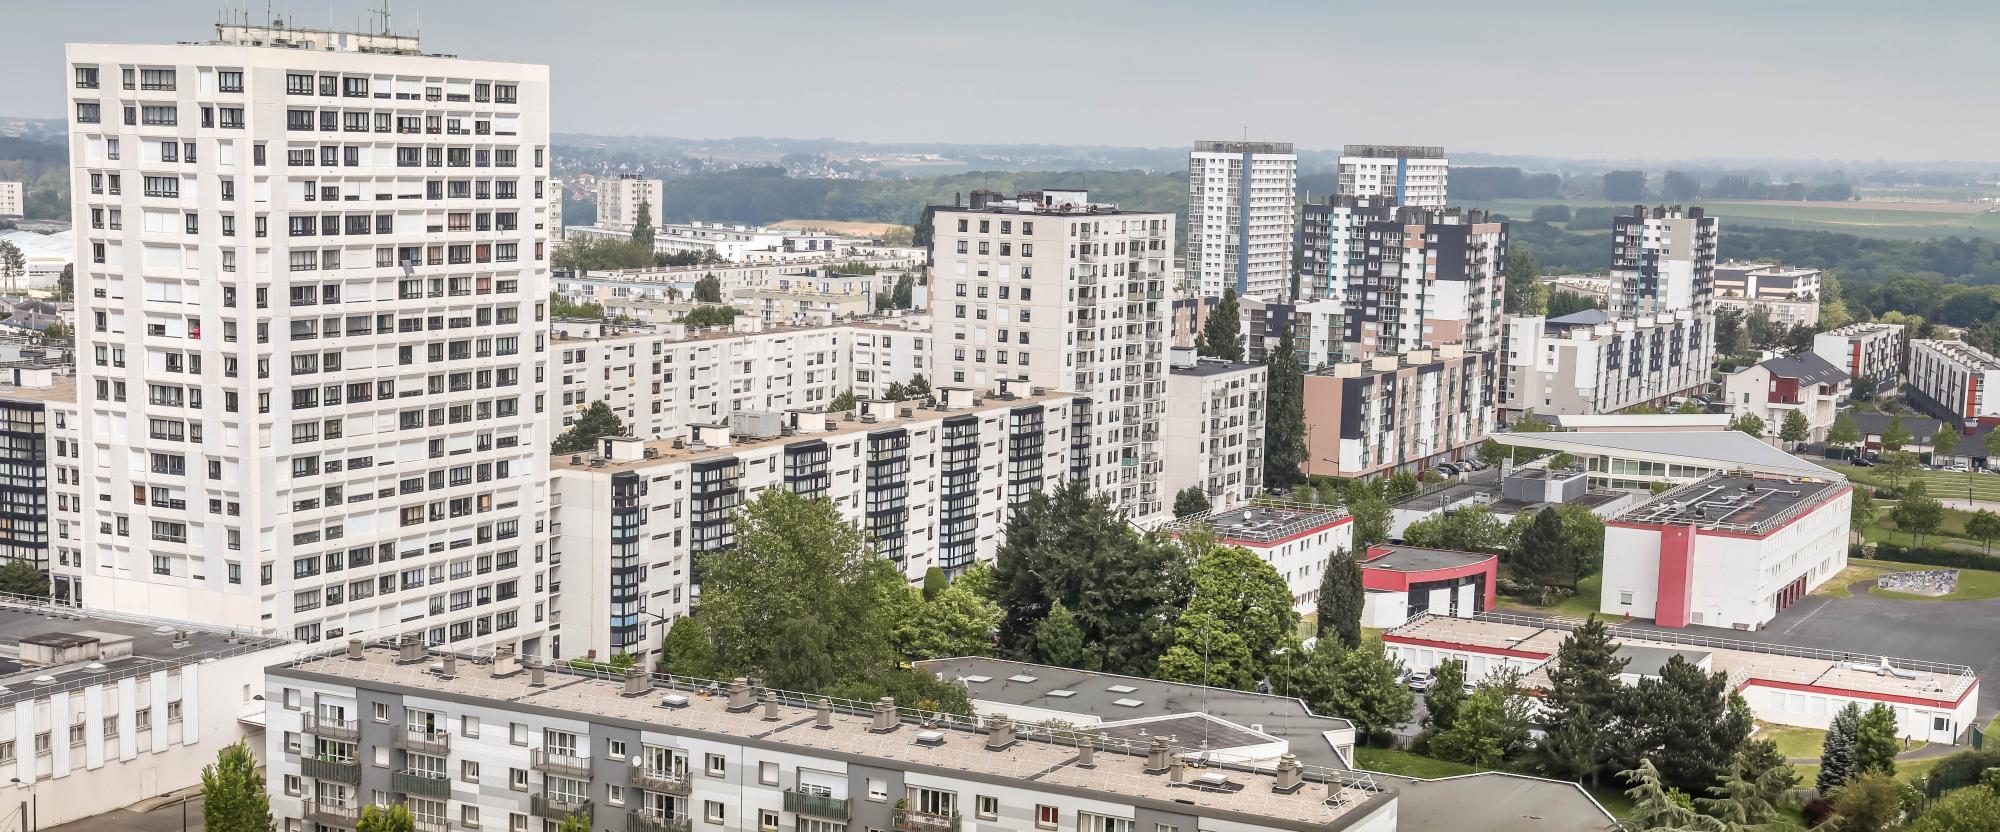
{"points": [[165, 818]]}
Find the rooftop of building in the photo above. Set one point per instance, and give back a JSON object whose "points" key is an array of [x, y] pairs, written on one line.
{"points": [[1863, 328], [1047, 202], [1771, 269], [1233, 146], [61, 389], [1214, 367], [1264, 522], [1587, 317], [1392, 151], [1805, 366], [1706, 449], [1396, 557], [846, 423], [627, 332], [1647, 660], [1041, 759], [101, 647], [1962, 353], [1736, 503], [1663, 212], [1741, 661]]}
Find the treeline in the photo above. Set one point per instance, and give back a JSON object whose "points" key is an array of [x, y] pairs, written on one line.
{"points": [[43, 169], [764, 194]]}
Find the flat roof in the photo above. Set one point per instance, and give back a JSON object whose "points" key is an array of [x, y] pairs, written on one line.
{"points": [[1726, 450], [1399, 558], [62, 389], [1962, 353], [1743, 661], [1647, 660], [1732, 503], [152, 644], [1214, 368], [1264, 521], [1040, 760], [720, 333], [666, 452]]}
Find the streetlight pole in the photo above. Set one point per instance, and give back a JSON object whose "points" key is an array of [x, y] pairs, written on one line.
{"points": [[31, 809]]}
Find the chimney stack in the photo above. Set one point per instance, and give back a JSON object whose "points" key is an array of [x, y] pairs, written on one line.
{"points": [[1158, 755], [450, 667], [1086, 753], [505, 663], [535, 672], [1176, 771], [999, 732], [740, 696], [885, 715], [823, 714], [637, 681], [770, 708], [1289, 779], [354, 649], [410, 649]]}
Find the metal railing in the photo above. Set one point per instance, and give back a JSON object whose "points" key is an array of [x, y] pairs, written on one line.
{"points": [[1316, 515], [423, 741], [1739, 645], [420, 783], [338, 771], [553, 762], [642, 820], [912, 820], [244, 641], [334, 813], [664, 782], [817, 805], [557, 807], [338, 729]]}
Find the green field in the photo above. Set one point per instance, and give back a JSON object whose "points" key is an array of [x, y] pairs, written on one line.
{"points": [[1846, 218], [1944, 485], [1794, 743], [1589, 592], [1395, 761]]}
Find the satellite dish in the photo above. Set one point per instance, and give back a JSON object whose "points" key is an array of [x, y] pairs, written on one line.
{"points": [[637, 762]]}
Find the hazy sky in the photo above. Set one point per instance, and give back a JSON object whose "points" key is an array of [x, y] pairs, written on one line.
{"points": [[1772, 78]]}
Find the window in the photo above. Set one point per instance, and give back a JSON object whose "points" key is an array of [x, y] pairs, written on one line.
{"points": [[987, 807], [468, 770], [767, 773], [711, 811], [87, 112], [517, 779], [767, 820], [156, 79], [716, 765], [615, 795], [467, 726], [1046, 816], [468, 816], [159, 114], [298, 83], [229, 80]]}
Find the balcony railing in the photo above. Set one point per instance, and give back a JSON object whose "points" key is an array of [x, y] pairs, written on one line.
{"points": [[339, 771], [557, 807], [641, 820], [552, 762], [664, 782], [912, 820], [816, 805], [331, 812], [423, 742], [420, 783], [333, 729]]}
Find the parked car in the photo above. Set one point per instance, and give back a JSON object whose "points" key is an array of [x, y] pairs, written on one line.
{"points": [[1420, 681], [1448, 469], [1862, 462]]}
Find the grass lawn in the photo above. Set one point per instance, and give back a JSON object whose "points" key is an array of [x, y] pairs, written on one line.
{"points": [[1395, 761], [1613, 799], [1973, 584], [1793, 742], [1583, 604], [1943, 485]]}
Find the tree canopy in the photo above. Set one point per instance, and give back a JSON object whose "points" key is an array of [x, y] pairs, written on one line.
{"points": [[1222, 334], [232, 792], [1284, 413], [597, 422], [1237, 620]]}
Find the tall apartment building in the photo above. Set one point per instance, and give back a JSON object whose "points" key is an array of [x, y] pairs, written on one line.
{"points": [[1416, 176], [1589, 362], [1215, 422], [312, 347], [1063, 293], [1402, 412], [1663, 259], [1242, 217], [1410, 278], [662, 379], [1872, 351], [1953, 380], [489, 745], [931, 485], [619, 198], [30, 402], [12, 199]]}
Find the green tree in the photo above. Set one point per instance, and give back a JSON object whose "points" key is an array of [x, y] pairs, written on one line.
{"points": [[561, 307], [957, 620], [1874, 803], [934, 582], [1545, 556], [232, 793], [708, 289], [1401, 485], [1983, 526], [1875, 743], [1189, 502], [1470, 529], [642, 226], [1743, 801], [1992, 443], [1583, 531], [843, 402], [1284, 413], [1685, 720], [1655, 805], [1897, 466], [1125, 589], [1239, 599], [1794, 429], [1369, 692], [703, 316], [20, 578], [904, 295], [1492, 452], [1861, 510], [1223, 333], [686, 650], [1341, 597], [395, 817], [13, 264], [1446, 694], [1944, 443], [1762, 763], [918, 386], [801, 600], [1492, 726], [597, 422], [1972, 809], [1895, 435], [1844, 433], [1918, 513], [66, 284], [1524, 287], [1562, 461], [1583, 692], [1749, 423], [59, 332], [1059, 641], [1372, 517]]}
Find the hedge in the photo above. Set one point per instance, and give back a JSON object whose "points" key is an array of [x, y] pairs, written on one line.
{"points": [[1927, 556]]}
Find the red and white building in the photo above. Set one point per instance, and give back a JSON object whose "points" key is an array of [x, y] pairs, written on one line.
{"points": [[1804, 382], [1952, 380], [1729, 550], [1403, 582], [1932, 701], [1294, 538], [1865, 350]]}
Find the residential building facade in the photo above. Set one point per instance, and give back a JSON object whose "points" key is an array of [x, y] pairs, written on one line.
{"points": [[12, 199], [619, 198], [313, 297], [1215, 422], [1953, 380], [1397, 412], [1418, 279], [1054, 290], [1296, 539], [29, 407], [1410, 175], [1872, 351], [1333, 243], [1242, 217], [1662, 260], [1588, 362], [1772, 389]]}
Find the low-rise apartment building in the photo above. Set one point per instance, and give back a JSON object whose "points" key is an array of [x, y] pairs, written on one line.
{"points": [[1589, 362], [483, 743], [1397, 412], [1214, 428], [932, 485], [724, 242], [1872, 351], [662, 379], [1953, 380], [31, 399], [1765, 281], [823, 275], [1773, 388]]}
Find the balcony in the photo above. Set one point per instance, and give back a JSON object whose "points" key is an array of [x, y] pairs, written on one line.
{"points": [[911, 820], [331, 813], [430, 824], [640, 820], [816, 805], [420, 783], [557, 807], [423, 742], [338, 771], [664, 782], [319, 726], [551, 762]]}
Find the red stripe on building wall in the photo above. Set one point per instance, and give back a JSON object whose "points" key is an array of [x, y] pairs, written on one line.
{"points": [[1971, 690], [1676, 578], [1971, 395], [1266, 544], [1465, 648]]}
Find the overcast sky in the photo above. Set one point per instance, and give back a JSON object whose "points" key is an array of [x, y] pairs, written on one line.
{"points": [[1674, 80]]}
